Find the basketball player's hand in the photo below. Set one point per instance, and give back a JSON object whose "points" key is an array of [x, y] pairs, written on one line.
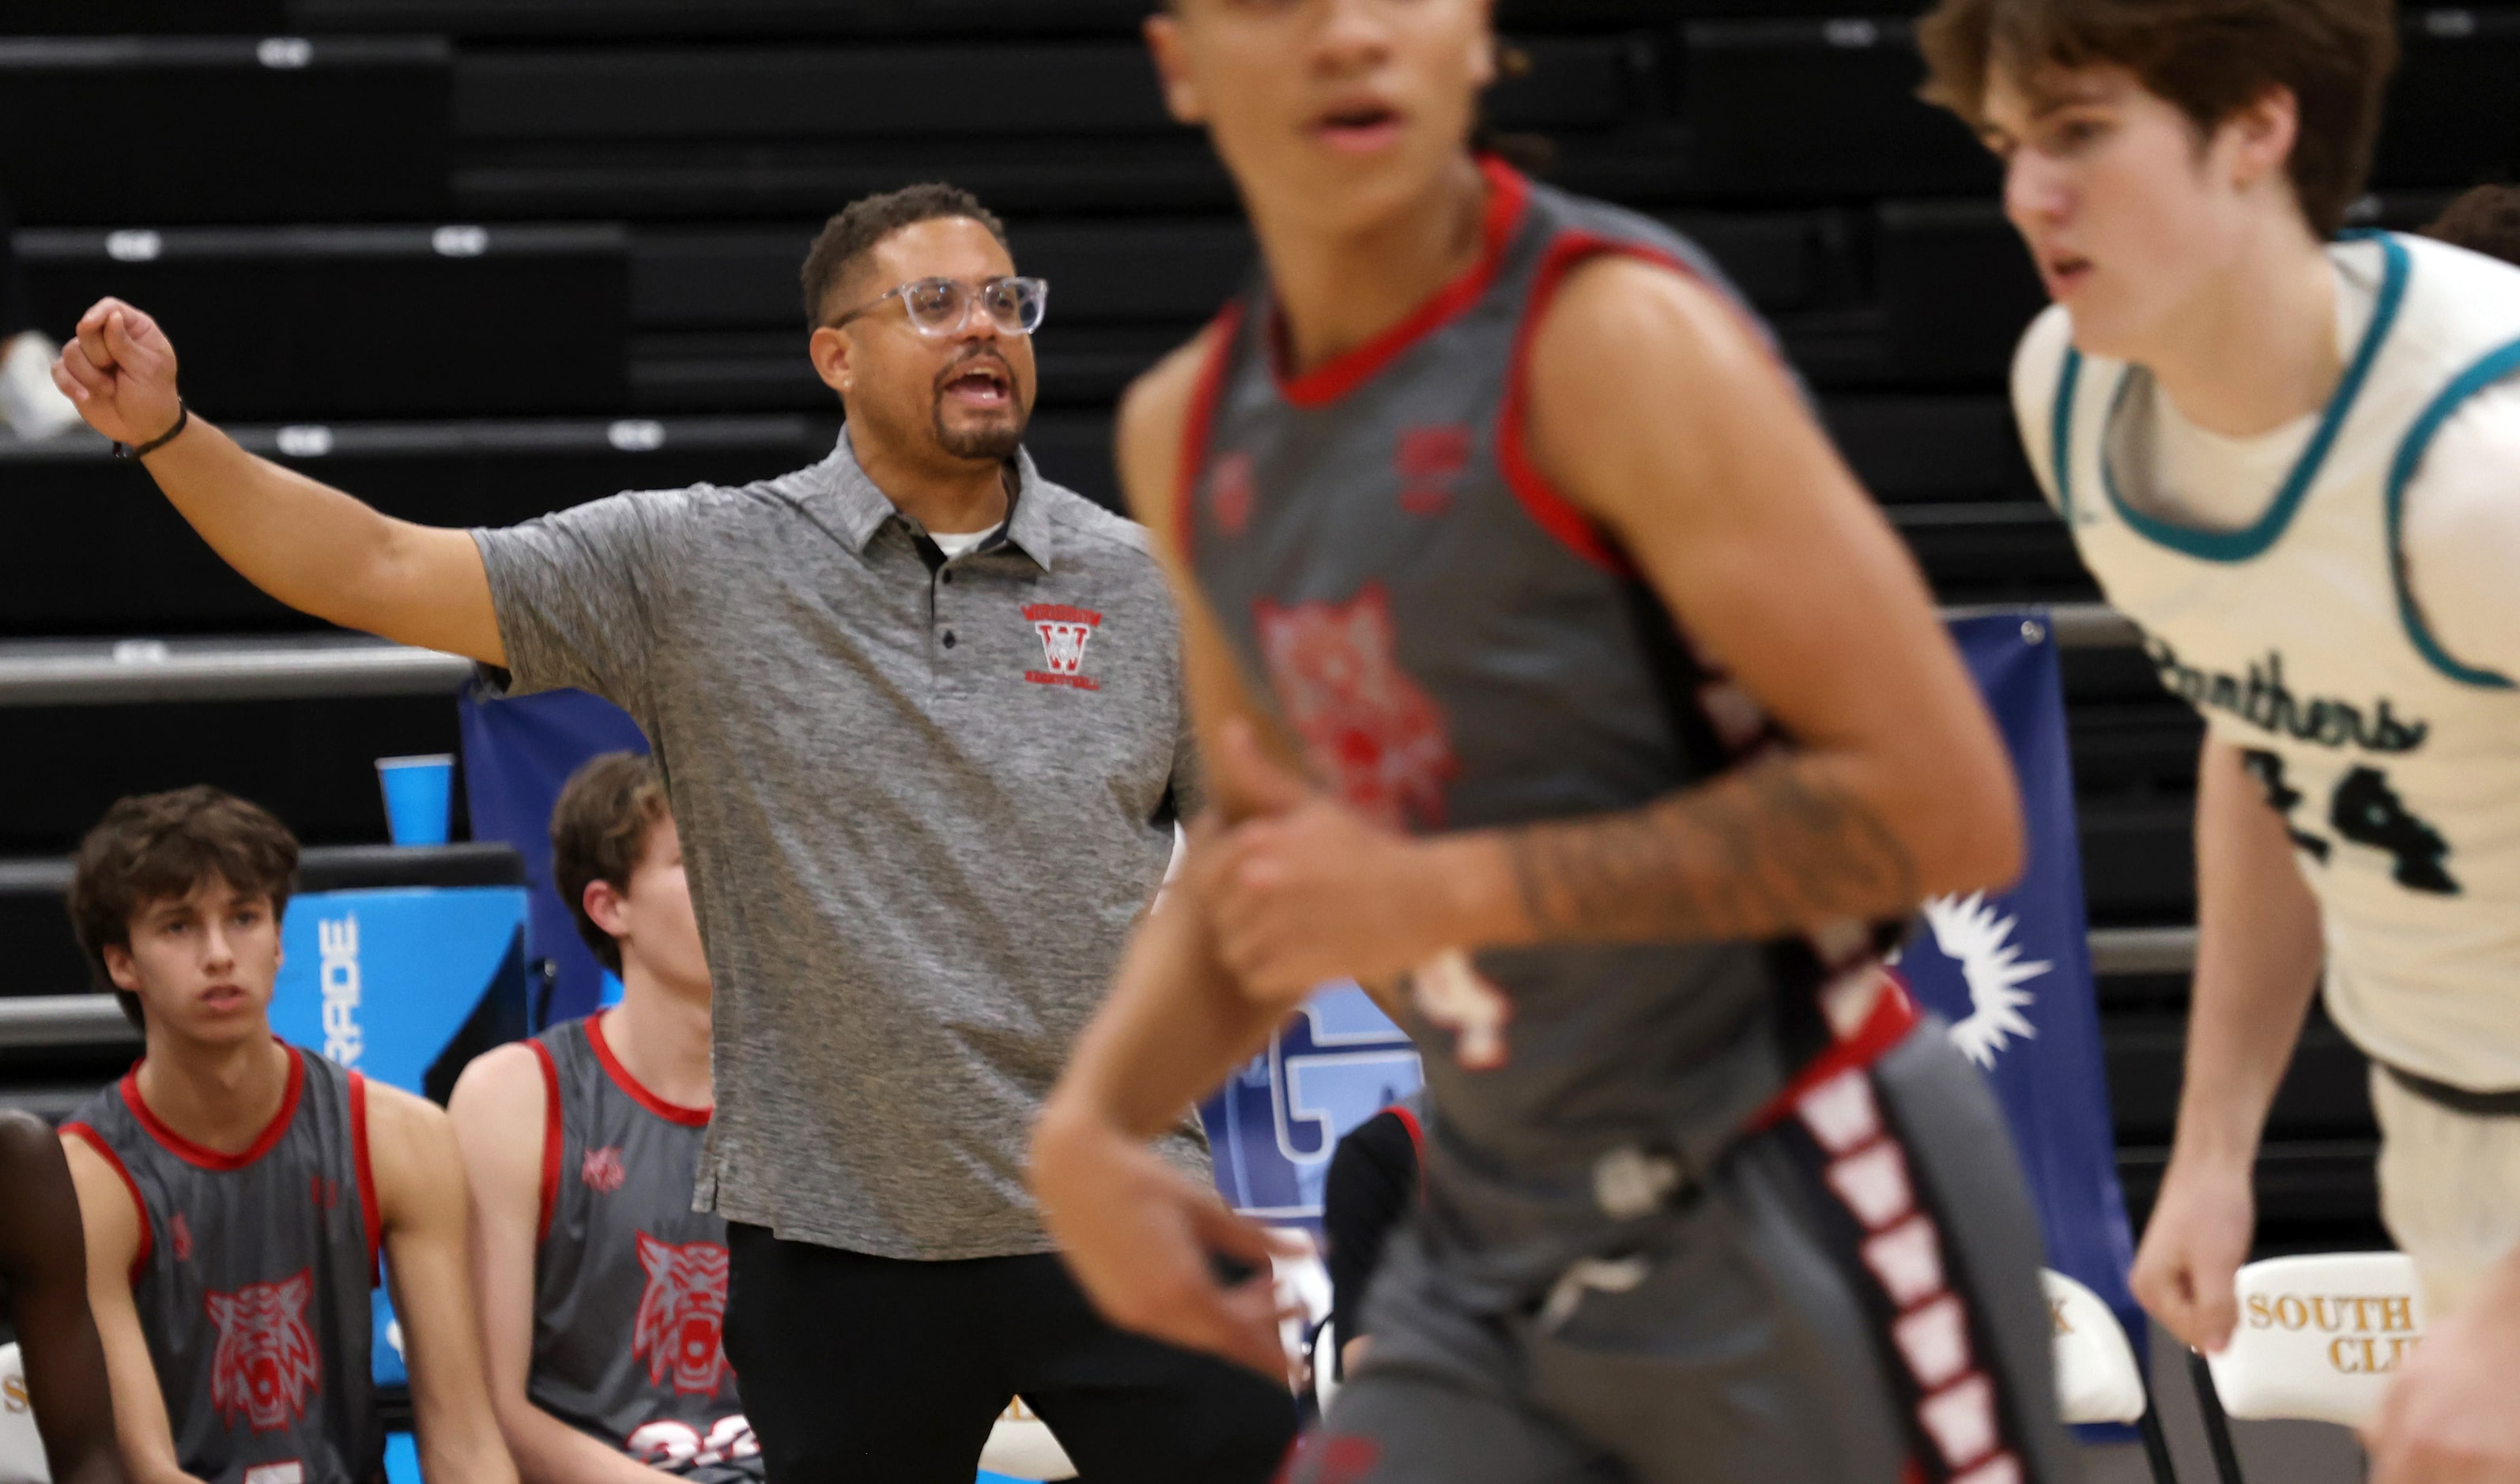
{"points": [[2449, 1418], [1140, 1238], [119, 371], [2187, 1270], [1312, 891]]}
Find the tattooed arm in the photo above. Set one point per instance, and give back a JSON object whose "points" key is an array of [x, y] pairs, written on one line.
{"points": [[1658, 411]]}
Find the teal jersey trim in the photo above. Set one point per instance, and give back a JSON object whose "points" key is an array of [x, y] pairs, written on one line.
{"points": [[2494, 368], [2060, 433], [2243, 545]]}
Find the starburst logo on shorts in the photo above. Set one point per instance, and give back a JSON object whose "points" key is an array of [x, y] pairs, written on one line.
{"points": [[1971, 932]]}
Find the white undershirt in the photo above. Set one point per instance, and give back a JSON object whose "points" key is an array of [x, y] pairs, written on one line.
{"points": [[960, 543], [2461, 536]]}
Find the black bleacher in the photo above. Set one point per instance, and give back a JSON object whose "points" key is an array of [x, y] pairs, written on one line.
{"points": [[477, 260]]}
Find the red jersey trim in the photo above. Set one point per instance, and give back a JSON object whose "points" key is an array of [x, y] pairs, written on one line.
{"points": [[551, 1141], [370, 1210], [147, 1240], [1894, 1018], [1212, 374], [203, 1157], [671, 1112], [1416, 1143], [1509, 193]]}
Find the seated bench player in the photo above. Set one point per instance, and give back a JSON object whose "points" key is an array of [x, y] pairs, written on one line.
{"points": [[237, 1191], [603, 1291]]}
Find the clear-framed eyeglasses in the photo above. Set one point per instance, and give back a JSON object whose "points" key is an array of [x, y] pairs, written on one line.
{"points": [[942, 306]]}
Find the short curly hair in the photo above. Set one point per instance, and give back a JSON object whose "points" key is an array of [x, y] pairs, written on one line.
{"points": [[2485, 221], [598, 830], [153, 846], [849, 237]]}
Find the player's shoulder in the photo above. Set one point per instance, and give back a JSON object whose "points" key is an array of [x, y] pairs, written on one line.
{"points": [[24, 1137], [1615, 316], [2039, 361], [501, 1082]]}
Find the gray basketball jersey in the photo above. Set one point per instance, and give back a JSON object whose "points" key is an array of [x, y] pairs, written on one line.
{"points": [[629, 1281], [1458, 646], [252, 1279]]}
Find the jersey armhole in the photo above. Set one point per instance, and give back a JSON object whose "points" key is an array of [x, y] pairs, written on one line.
{"points": [[551, 1141], [1416, 1143], [1548, 508], [2497, 366], [370, 1210], [87, 1135], [1209, 390]]}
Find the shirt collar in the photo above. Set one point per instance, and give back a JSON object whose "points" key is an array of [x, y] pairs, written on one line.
{"points": [[861, 509]]}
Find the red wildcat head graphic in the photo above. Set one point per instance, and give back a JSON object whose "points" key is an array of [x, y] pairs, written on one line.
{"points": [[682, 1314], [1368, 726], [265, 1365]]}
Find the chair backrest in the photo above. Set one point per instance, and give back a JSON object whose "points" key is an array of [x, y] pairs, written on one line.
{"points": [[2097, 1377], [1021, 1446], [2320, 1337], [22, 1448]]}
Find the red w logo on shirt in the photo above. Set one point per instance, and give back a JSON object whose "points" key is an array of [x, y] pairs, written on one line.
{"points": [[682, 1314], [265, 1365], [1336, 669], [1064, 631]]}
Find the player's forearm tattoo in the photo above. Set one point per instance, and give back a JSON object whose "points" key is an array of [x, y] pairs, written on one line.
{"points": [[1765, 852]]}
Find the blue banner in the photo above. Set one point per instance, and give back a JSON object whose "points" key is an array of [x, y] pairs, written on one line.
{"points": [[2012, 972], [517, 755], [1338, 1063]]}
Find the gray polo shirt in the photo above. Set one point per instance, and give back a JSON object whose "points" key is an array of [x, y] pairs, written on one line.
{"points": [[920, 810]]}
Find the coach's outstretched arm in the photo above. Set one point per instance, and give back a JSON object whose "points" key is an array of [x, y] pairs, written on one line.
{"points": [[308, 545]]}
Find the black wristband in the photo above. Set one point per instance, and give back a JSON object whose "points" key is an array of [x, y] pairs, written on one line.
{"points": [[183, 420]]}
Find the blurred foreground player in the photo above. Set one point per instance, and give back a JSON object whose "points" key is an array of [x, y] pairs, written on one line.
{"points": [[603, 1292], [43, 1292], [2293, 463], [1467, 497], [238, 1191]]}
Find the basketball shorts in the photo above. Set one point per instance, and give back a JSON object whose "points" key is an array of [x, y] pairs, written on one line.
{"points": [[1850, 1296], [2450, 1189]]}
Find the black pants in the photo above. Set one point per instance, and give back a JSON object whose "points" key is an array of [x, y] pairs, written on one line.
{"points": [[860, 1369]]}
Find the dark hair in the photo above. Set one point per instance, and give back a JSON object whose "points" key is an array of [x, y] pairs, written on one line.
{"points": [[2485, 221], [2209, 57], [159, 845], [599, 829], [850, 236]]}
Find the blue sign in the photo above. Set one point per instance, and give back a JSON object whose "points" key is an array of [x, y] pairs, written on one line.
{"points": [[381, 980], [1337, 1063], [2012, 972]]}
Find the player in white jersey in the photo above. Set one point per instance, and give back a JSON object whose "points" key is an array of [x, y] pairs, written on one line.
{"points": [[2292, 463]]}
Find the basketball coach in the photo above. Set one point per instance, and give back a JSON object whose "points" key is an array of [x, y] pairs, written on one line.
{"points": [[921, 717]]}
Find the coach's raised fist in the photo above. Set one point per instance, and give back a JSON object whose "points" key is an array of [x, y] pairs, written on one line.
{"points": [[119, 369]]}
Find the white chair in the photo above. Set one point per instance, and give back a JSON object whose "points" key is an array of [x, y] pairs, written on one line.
{"points": [[1021, 1446], [22, 1448], [2320, 1337], [2098, 1379]]}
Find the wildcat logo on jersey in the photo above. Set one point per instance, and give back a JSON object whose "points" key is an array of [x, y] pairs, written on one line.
{"points": [[1336, 670], [264, 1367], [1064, 631], [602, 1170], [682, 1314], [1430, 459], [1229, 493]]}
